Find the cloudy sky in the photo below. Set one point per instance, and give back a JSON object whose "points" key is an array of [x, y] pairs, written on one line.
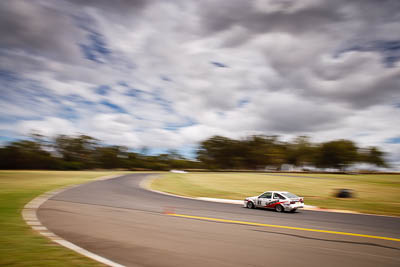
{"points": [[168, 74]]}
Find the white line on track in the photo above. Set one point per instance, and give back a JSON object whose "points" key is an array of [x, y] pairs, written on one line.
{"points": [[29, 213], [145, 184]]}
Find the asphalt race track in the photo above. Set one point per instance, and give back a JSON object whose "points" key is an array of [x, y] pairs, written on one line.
{"points": [[119, 220]]}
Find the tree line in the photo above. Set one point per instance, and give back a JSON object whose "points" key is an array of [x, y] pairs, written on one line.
{"points": [[259, 152], [255, 152], [83, 152]]}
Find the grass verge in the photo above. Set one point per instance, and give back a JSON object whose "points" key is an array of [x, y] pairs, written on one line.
{"points": [[376, 194], [19, 244]]}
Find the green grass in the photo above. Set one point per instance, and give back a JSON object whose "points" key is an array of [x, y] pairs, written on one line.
{"points": [[377, 194], [19, 244]]}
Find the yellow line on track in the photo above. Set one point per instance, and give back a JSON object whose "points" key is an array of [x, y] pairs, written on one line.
{"points": [[281, 226]]}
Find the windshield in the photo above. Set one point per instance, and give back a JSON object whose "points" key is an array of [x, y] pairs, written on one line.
{"points": [[290, 195]]}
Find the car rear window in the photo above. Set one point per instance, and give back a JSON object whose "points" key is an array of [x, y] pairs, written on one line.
{"points": [[290, 195]]}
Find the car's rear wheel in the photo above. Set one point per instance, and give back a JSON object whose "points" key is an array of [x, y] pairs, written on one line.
{"points": [[250, 205], [278, 208], [293, 210]]}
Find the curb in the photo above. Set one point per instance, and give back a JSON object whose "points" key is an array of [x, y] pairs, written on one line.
{"points": [[29, 214], [145, 184]]}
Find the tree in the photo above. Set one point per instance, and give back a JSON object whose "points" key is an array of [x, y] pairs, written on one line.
{"points": [[337, 154], [26, 154], [109, 157], [220, 152], [301, 152], [251, 153], [374, 156], [260, 151], [78, 149]]}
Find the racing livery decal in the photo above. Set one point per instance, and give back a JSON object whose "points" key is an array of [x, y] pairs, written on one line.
{"points": [[273, 203]]}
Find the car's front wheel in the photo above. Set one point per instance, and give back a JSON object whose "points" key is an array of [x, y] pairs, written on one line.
{"points": [[278, 208], [250, 205]]}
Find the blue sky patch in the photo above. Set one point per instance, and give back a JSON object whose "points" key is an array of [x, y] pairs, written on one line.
{"points": [[394, 140], [26, 93], [96, 48], [5, 140], [98, 43], [113, 106], [165, 78], [133, 92], [78, 99], [221, 114], [176, 126], [122, 83], [218, 64], [68, 113], [8, 76], [243, 102], [103, 89], [389, 50], [188, 152], [164, 103], [87, 52]]}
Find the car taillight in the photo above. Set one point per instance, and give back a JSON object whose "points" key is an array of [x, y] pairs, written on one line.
{"points": [[292, 202], [302, 200]]}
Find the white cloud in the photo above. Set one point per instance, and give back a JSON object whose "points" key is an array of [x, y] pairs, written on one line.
{"points": [[284, 67], [48, 126]]}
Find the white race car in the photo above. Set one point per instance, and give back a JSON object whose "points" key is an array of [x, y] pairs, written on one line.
{"points": [[278, 200]]}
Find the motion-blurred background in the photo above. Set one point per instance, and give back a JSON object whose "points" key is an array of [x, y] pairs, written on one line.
{"points": [[144, 84]]}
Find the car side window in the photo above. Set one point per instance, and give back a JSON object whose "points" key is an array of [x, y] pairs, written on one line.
{"points": [[278, 196], [266, 195]]}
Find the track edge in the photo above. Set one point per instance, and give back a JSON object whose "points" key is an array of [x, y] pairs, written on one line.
{"points": [[29, 214]]}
